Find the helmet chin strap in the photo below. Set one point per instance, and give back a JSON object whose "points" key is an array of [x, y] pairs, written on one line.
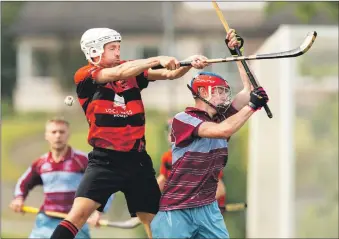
{"points": [[95, 63], [207, 102]]}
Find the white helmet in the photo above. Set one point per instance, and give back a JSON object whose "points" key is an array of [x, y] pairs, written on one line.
{"points": [[93, 40]]}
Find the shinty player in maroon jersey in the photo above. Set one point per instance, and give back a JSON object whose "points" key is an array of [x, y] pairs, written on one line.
{"points": [[108, 90], [59, 173], [166, 166], [200, 134]]}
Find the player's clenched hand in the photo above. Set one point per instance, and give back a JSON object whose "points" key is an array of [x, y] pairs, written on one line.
{"points": [[170, 63], [258, 98], [233, 40], [198, 61], [17, 204], [94, 219]]}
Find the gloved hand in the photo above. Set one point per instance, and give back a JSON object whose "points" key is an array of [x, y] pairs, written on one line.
{"points": [[233, 40], [258, 98]]}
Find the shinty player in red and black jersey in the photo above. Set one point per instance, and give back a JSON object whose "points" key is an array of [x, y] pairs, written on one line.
{"points": [[108, 90]]}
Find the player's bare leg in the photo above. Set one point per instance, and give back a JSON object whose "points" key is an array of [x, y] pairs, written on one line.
{"points": [[81, 210], [146, 219]]}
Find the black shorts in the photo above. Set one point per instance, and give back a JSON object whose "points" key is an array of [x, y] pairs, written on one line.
{"points": [[132, 173]]}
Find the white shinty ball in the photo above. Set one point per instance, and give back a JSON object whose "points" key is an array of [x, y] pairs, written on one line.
{"points": [[69, 100]]}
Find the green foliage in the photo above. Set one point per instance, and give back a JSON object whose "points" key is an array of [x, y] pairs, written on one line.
{"points": [[9, 12], [15, 128], [156, 139], [235, 179], [318, 70], [6, 108], [305, 11], [317, 169], [12, 235], [69, 59]]}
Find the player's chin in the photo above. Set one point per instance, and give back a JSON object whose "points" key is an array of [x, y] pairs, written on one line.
{"points": [[59, 146], [112, 63]]}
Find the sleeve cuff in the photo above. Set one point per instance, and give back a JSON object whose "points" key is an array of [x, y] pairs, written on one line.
{"points": [[195, 132]]}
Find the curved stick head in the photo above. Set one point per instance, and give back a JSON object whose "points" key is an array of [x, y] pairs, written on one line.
{"points": [[308, 42]]}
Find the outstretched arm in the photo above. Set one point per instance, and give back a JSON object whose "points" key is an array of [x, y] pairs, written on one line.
{"points": [[225, 129], [26, 182], [166, 74], [126, 70], [136, 67]]}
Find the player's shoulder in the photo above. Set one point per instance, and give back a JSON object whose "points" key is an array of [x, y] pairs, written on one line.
{"points": [[40, 160], [80, 158], [84, 72], [180, 115], [186, 117]]}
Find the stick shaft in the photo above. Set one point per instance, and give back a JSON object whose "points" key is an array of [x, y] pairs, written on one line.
{"points": [[235, 207], [221, 16], [253, 81], [60, 215], [243, 62], [48, 213]]}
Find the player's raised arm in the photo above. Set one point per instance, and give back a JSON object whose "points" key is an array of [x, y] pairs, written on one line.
{"points": [[233, 40]]}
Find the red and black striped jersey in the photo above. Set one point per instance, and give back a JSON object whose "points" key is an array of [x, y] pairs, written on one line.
{"points": [[114, 111]]}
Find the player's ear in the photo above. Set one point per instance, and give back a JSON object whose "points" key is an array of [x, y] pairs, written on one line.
{"points": [[202, 91]]}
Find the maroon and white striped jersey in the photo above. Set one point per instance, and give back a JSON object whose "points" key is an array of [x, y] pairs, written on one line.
{"points": [[196, 163], [59, 180]]}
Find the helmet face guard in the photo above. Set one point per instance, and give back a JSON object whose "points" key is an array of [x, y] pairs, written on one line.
{"points": [[219, 91], [93, 41], [224, 95]]}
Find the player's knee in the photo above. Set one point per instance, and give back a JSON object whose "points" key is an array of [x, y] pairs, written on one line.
{"points": [[145, 218], [81, 210]]}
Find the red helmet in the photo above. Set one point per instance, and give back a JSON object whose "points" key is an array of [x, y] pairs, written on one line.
{"points": [[214, 85], [206, 79]]}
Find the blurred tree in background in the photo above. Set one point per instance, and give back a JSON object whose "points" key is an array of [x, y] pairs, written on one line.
{"points": [[9, 12], [235, 179], [317, 169], [305, 11]]}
